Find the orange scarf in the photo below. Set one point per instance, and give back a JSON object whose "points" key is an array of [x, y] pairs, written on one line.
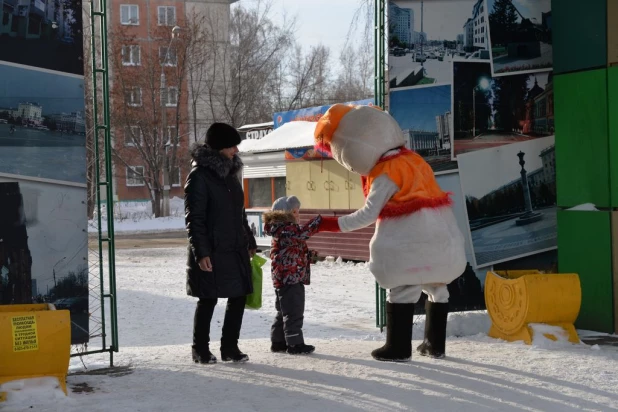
{"points": [[418, 188]]}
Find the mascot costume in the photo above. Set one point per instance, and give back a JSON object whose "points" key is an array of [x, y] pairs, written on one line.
{"points": [[417, 246]]}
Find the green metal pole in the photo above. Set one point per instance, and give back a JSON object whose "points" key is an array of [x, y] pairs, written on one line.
{"points": [[377, 305], [382, 51], [376, 74], [97, 156], [111, 250], [380, 92]]}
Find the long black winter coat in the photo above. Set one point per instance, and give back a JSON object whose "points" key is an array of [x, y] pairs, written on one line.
{"points": [[217, 227]]}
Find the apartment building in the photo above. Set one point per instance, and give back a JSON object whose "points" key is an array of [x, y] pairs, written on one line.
{"points": [[142, 41]]}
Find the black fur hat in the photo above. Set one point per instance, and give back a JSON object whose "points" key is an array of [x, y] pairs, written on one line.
{"points": [[222, 136]]}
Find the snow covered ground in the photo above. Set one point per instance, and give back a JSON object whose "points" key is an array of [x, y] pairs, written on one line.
{"points": [[155, 321], [137, 217]]}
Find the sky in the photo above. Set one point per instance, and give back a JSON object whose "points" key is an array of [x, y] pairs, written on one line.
{"points": [[541, 79], [529, 8], [55, 92], [443, 20], [318, 21], [417, 108], [500, 165]]}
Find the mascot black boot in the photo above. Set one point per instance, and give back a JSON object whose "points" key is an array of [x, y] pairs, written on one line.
{"points": [[398, 347], [435, 330]]}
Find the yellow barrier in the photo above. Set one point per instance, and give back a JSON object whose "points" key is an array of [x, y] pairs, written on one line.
{"points": [[35, 341], [515, 299]]}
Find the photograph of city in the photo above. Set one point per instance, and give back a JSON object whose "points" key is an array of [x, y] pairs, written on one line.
{"points": [[511, 200], [495, 111], [51, 32], [42, 125], [44, 248], [520, 35], [425, 37], [424, 115]]}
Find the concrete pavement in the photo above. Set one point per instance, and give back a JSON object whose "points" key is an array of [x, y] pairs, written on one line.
{"points": [[144, 240]]}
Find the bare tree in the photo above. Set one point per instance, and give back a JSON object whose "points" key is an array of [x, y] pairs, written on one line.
{"points": [[363, 16], [354, 80], [198, 57], [239, 79], [149, 116], [322, 76], [309, 77]]}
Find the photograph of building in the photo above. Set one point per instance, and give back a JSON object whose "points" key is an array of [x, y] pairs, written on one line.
{"points": [[150, 40], [43, 138], [511, 199], [424, 115], [401, 24], [50, 31], [495, 111], [44, 248], [425, 37], [520, 36]]}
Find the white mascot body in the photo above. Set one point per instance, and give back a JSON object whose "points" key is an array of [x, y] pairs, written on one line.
{"points": [[417, 245]]}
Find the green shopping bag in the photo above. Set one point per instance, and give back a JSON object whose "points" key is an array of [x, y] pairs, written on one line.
{"points": [[254, 300]]}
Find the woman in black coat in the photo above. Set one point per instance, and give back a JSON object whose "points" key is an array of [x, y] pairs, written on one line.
{"points": [[220, 242]]}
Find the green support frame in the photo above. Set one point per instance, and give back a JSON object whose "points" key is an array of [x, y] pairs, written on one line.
{"points": [[105, 291], [380, 100]]}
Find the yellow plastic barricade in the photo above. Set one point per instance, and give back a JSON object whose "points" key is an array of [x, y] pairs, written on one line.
{"points": [[35, 341], [517, 298]]}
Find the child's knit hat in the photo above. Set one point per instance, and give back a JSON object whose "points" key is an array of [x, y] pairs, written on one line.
{"points": [[286, 204]]}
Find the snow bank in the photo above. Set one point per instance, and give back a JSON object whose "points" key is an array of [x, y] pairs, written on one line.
{"points": [[460, 324], [33, 392], [479, 373], [289, 136], [137, 217], [547, 336], [586, 207]]}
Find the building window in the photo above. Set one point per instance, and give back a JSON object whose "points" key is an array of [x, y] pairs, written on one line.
{"points": [[260, 192], [542, 108], [135, 176], [131, 55], [170, 96], [133, 136], [133, 97], [171, 135], [129, 15], [175, 177], [280, 187], [167, 15], [168, 58]]}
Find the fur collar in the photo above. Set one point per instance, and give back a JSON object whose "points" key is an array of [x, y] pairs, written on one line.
{"points": [[276, 221], [214, 161], [278, 217]]}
